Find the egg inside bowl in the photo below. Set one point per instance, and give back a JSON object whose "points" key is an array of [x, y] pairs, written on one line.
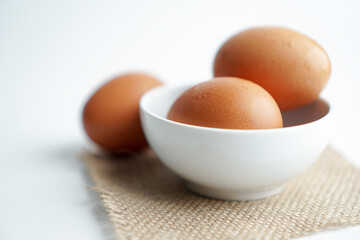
{"points": [[234, 164]]}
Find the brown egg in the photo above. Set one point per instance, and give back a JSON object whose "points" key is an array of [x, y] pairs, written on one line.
{"points": [[227, 102], [111, 116], [289, 65]]}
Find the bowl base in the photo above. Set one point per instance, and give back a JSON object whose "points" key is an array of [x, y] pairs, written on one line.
{"points": [[232, 195]]}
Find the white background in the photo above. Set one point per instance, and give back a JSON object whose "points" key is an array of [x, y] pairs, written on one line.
{"points": [[53, 54]]}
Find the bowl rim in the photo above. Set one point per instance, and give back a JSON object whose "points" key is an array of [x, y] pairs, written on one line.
{"points": [[169, 87]]}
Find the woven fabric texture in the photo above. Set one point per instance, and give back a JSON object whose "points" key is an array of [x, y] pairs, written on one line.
{"points": [[145, 200]]}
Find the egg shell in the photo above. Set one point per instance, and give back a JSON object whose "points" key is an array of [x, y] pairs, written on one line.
{"points": [[111, 115], [227, 102], [290, 66]]}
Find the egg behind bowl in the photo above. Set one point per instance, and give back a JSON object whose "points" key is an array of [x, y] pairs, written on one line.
{"points": [[290, 66], [111, 115]]}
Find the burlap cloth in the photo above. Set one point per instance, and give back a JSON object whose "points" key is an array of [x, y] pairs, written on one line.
{"points": [[144, 200]]}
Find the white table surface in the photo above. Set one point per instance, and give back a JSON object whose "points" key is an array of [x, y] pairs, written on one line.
{"points": [[53, 54]]}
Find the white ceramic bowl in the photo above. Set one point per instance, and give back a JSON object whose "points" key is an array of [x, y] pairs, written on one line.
{"points": [[234, 164]]}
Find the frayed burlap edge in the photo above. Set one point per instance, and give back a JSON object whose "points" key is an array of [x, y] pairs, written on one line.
{"points": [[145, 200]]}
